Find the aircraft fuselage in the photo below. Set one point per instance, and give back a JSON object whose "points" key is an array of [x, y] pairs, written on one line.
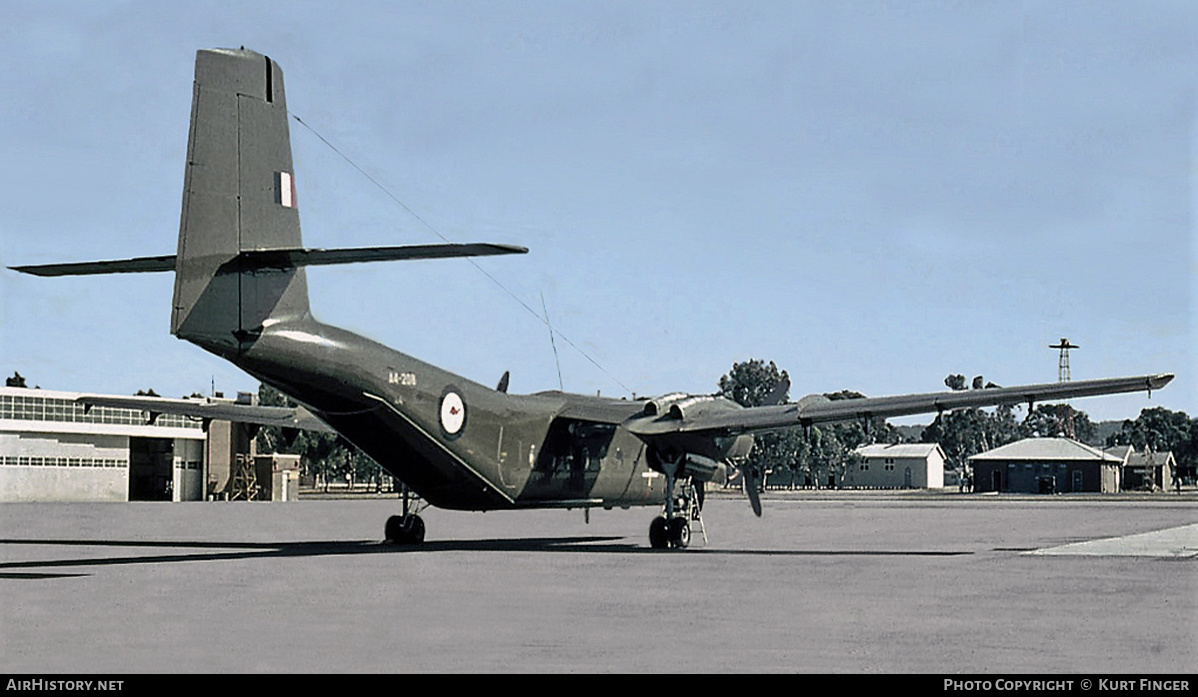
{"points": [[457, 443]]}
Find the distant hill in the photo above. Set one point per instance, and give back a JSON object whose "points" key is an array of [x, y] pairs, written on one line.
{"points": [[1102, 429]]}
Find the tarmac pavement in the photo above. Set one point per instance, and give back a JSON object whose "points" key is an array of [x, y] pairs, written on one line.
{"points": [[821, 583]]}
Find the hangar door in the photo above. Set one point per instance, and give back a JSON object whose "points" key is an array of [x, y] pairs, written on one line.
{"points": [[151, 465]]}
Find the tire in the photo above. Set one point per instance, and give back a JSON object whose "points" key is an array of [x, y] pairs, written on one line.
{"points": [[659, 533], [680, 533], [404, 531], [393, 531], [415, 530]]}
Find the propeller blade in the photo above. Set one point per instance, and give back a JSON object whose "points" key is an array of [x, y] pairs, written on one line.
{"points": [[749, 484], [778, 394]]}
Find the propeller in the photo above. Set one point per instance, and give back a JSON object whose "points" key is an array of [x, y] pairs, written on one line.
{"points": [[748, 473], [749, 484], [778, 394], [678, 464]]}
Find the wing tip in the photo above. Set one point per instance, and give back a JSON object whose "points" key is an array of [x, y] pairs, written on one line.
{"points": [[1155, 382]]}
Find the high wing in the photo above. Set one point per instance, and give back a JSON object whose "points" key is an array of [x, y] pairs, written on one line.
{"points": [[206, 409], [817, 409]]}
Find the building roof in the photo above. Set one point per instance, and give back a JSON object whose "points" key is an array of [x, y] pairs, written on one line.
{"points": [[1046, 449], [920, 450], [49, 411], [1143, 458], [1119, 451]]}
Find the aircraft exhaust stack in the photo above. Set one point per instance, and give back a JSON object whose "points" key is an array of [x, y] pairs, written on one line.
{"points": [[238, 196]]}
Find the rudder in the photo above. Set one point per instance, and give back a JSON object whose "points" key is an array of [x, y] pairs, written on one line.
{"points": [[238, 196]]}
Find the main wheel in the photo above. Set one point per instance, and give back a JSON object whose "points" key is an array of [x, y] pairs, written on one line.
{"points": [[415, 529], [393, 530], [680, 532], [659, 533], [404, 530]]}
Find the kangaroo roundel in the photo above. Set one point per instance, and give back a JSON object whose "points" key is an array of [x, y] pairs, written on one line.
{"points": [[453, 413]]}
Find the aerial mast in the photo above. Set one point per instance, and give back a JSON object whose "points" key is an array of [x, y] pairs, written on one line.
{"points": [[1063, 363], [1064, 376]]}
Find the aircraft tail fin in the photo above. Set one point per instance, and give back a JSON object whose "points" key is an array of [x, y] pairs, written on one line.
{"points": [[240, 261], [238, 196]]}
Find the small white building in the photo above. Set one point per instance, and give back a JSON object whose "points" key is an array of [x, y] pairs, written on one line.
{"points": [[52, 448], [1144, 469], [897, 466]]}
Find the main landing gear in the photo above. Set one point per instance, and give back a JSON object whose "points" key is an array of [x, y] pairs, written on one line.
{"points": [[669, 533], [406, 529], [672, 529]]}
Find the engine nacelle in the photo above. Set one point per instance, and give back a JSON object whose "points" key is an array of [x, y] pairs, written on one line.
{"points": [[704, 469], [694, 406], [658, 405], [679, 405], [698, 467]]}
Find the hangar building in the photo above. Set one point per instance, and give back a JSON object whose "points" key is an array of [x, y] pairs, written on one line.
{"points": [[52, 448], [1046, 466]]}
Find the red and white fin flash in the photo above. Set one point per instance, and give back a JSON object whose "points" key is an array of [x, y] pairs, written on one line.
{"points": [[285, 186]]}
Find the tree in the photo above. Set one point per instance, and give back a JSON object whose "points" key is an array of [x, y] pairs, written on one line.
{"points": [[811, 455], [326, 454], [1157, 428], [966, 432], [1053, 420], [749, 384], [823, 455], [855, 434], [1163, 430]]}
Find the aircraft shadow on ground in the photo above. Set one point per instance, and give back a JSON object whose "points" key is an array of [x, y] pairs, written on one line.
{"points": [[232, 551]]}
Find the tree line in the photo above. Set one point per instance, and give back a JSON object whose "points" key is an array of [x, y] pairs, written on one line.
{"points": [[324, 457], [819, 455]]}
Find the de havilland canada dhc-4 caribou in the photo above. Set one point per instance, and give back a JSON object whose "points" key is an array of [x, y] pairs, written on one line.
{"points": [[241, 293]]}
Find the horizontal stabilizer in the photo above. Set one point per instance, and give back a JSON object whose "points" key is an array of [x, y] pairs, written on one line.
{"points": [[279, 259], [295, 258], [87, 268]]}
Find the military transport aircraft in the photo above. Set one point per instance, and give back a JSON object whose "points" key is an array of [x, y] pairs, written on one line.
{"points": [[240, 293]]}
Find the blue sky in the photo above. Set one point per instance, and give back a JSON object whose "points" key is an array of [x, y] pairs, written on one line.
{"points": [[873, 195]]}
